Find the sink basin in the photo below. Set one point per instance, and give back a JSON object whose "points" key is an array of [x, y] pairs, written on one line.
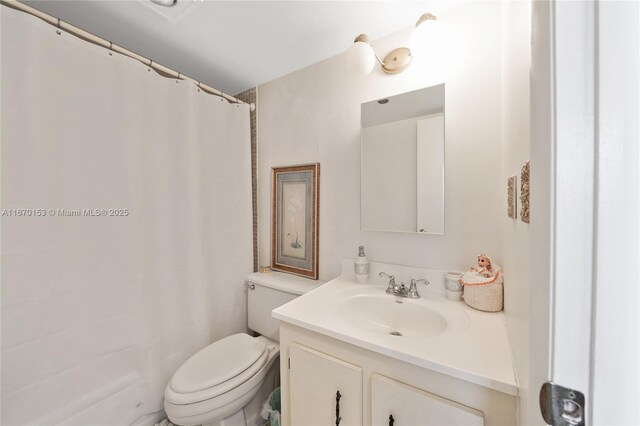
{"points": [[392, 316]]}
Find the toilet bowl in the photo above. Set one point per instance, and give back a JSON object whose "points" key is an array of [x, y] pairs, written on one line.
{"points": [[219, 380], [217, 384]]}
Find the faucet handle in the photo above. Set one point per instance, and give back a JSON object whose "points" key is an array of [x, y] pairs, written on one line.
{"points": [[392, 282], [414, 281], [392, 279], [413, 288]]}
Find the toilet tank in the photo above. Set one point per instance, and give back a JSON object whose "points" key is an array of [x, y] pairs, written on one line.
{"points": [[268, 291]]}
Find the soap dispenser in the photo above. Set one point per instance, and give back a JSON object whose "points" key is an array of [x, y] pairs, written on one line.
{"points": [[361, 266]]}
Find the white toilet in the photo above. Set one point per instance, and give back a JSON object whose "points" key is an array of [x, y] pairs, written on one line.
{"points": [[226, 382]]}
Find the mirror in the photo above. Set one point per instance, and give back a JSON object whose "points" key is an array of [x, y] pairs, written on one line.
{"points": [[402, 162]]}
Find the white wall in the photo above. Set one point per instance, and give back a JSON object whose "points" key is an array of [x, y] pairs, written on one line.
{"points": [[516, 64], [313, 115]]}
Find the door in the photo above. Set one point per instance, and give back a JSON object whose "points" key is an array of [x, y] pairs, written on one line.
{"points": [[397, 404], [323, 390], [585, 132]]}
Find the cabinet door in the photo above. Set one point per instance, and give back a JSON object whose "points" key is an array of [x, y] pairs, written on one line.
{"points": [[412, 406], [322, 389]]}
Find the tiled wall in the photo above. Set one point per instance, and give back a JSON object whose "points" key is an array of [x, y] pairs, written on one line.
{"points": [[250, 96]]}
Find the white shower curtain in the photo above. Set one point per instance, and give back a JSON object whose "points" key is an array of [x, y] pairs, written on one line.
{"points": [[98, 311]]}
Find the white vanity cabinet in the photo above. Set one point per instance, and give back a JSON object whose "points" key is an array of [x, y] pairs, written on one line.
{"points": [[397, 404], [373, 386], [323, 390]]}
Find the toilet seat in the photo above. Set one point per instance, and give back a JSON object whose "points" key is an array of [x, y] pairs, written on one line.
{"points": [[217, 369]]}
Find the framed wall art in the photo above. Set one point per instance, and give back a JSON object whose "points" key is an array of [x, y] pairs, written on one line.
{"points": [[294, 227]]}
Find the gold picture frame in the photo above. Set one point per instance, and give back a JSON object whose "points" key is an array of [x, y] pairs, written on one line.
{"points": [[294, 223]]}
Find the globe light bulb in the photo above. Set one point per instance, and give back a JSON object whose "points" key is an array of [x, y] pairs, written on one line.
{"points": [[425, 36], [361, 58]]}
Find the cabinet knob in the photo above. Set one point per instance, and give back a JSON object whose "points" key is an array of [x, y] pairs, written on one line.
{"points": [[391, 420]]}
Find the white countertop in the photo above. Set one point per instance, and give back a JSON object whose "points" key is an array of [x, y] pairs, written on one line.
{"points": [[474, 347]]}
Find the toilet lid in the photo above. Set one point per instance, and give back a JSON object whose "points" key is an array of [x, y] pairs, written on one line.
{"points": [[218, 363]]}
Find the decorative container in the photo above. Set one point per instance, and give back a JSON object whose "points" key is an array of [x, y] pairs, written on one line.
{"points": [[484, 297], [453, 285], [483, 285]]}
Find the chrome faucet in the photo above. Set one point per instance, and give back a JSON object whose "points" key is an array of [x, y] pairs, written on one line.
{"points": [[401, 290]]}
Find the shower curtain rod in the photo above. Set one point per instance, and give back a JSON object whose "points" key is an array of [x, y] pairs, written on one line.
{"points": [[92, 38]]}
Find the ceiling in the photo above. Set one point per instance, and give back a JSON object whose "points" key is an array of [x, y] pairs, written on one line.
{"points": [[236, 45]]}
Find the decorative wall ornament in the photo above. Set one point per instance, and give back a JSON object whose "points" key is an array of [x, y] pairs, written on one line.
{"points": [[294, 227], [524, 193], [511, 197]]}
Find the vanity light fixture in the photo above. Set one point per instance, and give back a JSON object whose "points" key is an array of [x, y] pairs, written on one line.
{"points": [[364, 57]]}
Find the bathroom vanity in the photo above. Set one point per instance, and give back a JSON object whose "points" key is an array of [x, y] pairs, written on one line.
{"points": [[353, 355]]}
